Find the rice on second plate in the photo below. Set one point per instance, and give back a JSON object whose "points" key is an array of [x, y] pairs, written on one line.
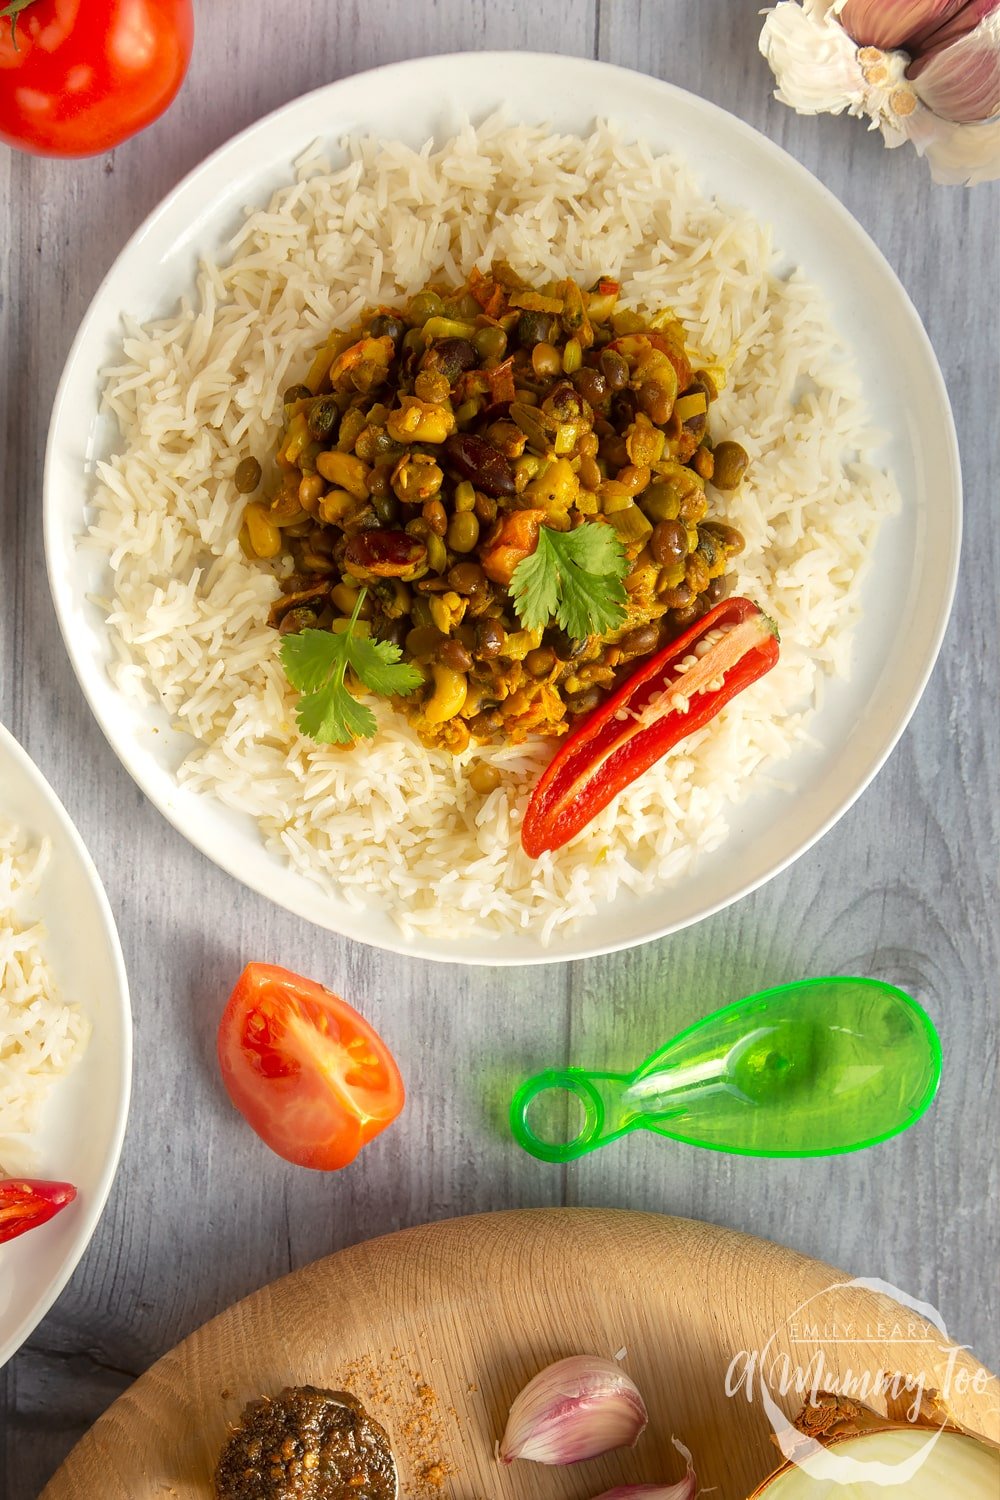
{"points": [[41, 1035], [390, 821]]}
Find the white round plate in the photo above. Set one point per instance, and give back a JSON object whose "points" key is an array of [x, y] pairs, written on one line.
{"points": [[917, 558], [83, 1125]]}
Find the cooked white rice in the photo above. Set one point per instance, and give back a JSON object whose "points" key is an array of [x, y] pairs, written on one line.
{"points": [[41, 1035], [391, 821]]}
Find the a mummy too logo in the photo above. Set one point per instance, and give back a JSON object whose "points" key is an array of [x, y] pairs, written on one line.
{"points": [[804, 1359]]}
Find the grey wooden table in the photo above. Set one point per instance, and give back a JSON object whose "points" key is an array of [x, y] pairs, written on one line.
{"points": [[905, 887]]}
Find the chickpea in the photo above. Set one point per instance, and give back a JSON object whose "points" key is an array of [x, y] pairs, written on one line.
{"points": [[311, 492], [335, 506], [546, 360]]}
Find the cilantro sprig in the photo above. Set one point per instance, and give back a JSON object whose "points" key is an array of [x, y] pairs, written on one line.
{"points": [[574, 577], [316, 662]]}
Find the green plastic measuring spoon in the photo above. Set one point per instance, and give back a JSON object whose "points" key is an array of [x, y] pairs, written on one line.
{"points": [[808, 1069]]}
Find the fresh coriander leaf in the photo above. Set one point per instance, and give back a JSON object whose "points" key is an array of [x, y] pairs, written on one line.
{"points": [[333, 716], [378, 665], [534, 586], [316, 662], [309, 658], [594, 547], [575, 577], [591, 604]]}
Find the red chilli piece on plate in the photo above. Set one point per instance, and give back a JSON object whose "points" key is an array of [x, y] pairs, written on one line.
{"points": [[658, 706], [26, 1202]]}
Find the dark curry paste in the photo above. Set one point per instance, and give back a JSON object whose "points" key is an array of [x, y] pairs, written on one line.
{"points": [[306, 1444]]}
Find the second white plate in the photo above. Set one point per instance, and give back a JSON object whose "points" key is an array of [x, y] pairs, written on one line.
{"points": [[83, 1124]]}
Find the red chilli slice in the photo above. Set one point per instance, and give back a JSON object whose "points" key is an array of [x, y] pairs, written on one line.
{"points": [[646, 717]]}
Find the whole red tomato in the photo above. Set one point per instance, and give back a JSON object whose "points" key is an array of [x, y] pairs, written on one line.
{"points": [[80, 76]]}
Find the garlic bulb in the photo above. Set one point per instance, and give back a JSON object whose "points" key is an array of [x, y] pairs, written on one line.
{"points": [[574, 1409], [924, 71], [684, 1489]]}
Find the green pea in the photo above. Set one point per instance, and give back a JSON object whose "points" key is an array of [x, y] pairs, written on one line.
{"points": [[491, 343], [247, 476], [463, 531], [423, 306], [661, 502]]}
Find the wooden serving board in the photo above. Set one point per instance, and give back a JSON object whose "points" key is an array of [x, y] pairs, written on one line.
{"points": [[436, 1329]]}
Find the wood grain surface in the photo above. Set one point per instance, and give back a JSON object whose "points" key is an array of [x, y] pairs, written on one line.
{"points": [[437, 1328], [904, 888]]}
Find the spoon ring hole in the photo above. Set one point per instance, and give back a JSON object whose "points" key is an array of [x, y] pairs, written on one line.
{"points": [[557, 1116]]}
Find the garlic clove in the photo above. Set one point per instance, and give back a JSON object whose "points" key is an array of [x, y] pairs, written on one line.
{"points": [[956, 154], [684, 1489], [574, 1409], [949, 28], [892, 23], [960, 80]]}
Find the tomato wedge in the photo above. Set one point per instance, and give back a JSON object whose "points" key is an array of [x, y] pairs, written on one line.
{"points": [[661, 703], [306, 1071], [25, 1203]]}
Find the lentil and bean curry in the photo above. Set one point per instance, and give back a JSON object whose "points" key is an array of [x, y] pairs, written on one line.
{"points": [[425, 450]]}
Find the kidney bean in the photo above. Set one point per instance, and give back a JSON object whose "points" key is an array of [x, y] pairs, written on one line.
{"points": [[482, 463], [384, 554]]}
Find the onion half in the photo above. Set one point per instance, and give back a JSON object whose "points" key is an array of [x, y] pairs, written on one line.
{"points": [[849, 1452]]}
